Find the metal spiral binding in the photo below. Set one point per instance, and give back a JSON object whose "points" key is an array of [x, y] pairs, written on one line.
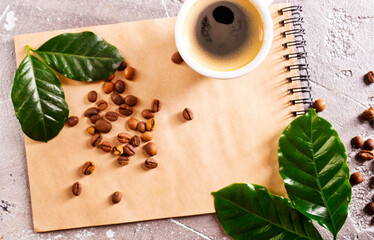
{"points": [[300, 54]]}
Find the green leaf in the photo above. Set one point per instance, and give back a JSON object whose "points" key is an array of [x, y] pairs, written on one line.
{"points": [[313, 165], [81, 56], [38, 100], [249, 211]]}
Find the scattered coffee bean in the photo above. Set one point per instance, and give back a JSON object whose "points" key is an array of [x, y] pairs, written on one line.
{"points": [[132, 123], [108, 87], [369, 209], [372, 222], [92, 96], [366, 155], [151, 149], [117, 99], [125, 110], [156, 105], [123, 160], [319, 105], [368, 115], [106, 146], [103, 126], [96, 140], [102, 105], [119, 86], [91, 111], [141, 127], [76, 189], [94, 118], [369, 144], [123, 137], [356, 178], [370, 77], [357, 142], [135, 141], [72, 121], [122, 66], [177, 58], [129, 150], [151, 163], [91, 130], [129, 73], [131, 100], [88, 168], [111, 116], [371, 183], [116, 197], [118, 150], [151, 124], [147, 136], [188, 114], [147, 114], [110, 78]]}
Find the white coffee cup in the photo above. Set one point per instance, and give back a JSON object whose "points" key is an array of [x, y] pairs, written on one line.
{"points": [[262, 8]]}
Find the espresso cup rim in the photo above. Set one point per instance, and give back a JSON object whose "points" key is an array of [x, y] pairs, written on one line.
{"points": [[229, 74]]}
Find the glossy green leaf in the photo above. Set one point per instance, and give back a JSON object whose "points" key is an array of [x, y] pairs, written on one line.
{"points": [[249, 211], [81, 56], [313, 165], [38, 100]]}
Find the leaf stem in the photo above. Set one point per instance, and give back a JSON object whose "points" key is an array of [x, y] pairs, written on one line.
{"points": [[28, 50]]}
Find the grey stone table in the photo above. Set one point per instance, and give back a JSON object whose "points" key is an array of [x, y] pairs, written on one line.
{"points": [[341, 50]]}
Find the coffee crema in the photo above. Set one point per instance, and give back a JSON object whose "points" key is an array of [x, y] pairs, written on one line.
{"points": [[223, 35]]}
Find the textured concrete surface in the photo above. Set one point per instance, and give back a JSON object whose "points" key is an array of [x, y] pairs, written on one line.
{"points": [[340, 45]]}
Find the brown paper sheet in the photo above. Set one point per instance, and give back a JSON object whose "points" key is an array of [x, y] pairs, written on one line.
{"points": [[233, 137]]}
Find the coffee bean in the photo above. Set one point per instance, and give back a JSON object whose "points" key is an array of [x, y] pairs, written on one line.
{"points": [[91, 130], [357, 142], [96, 140], [103, 126], [111, 116], [372, 222], [118, 150], [368, 115], [94, 118], [151, 163], [106, 146], [119, 86], [371, 183], [131, 100], [129, 150], [92, 96], [123, 160], [135, 141], [147, 136], [76, 189], [110, 78], [125, 110], [91, 111], [102, 105], [132, 123], [356, 178], [72, 121], [129, 73], [117, 99], [141, 127], [108, 87], [88, 168], [366, 155], [319, 105], [151, 124], [369, 208], [176, 58], [188, 114], [116, 197], [370, 77], [122, 66], [147, 114], [123, 137], [369, 144], [151, 149], [156, 105]]}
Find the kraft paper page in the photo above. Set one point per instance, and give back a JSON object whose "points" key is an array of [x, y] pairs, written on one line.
{"points": [[233, 137]]}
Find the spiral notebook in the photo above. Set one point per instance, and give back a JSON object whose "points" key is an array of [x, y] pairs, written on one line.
{"points": [[233, 137]]}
